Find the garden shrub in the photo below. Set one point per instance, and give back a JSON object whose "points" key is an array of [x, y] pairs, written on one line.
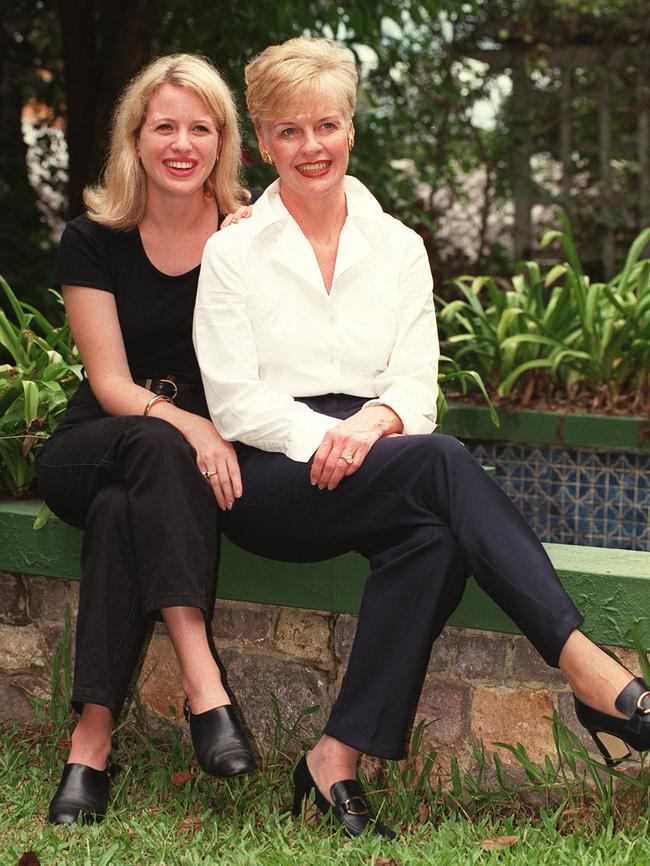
{"points": [[540, 332], [43, 372]]}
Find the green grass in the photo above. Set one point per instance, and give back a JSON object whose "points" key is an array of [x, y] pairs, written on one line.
{"points": [[572, 810], [556, 817]]}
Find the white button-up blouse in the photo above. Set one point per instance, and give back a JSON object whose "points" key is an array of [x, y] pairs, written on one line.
{"points": [[266, 330]]}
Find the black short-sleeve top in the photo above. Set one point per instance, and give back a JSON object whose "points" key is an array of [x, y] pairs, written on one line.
{"points": [[155, 310]]}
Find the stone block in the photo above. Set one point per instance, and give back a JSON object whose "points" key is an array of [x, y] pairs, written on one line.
{"points": [[344, 631], [47, 598], [244, 624], [73, 595], [14, 704], [160, 679], [304, 635], [35, 686], [529, 666], [21, 648], [13, 608], [481, 656], [255, 679], [52, 634], [443, 654], [339, 673], [445, 707], [512, 716]]}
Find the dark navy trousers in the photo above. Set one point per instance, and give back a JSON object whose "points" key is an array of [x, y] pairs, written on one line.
{"points": [[426, 515], [150, 539]]}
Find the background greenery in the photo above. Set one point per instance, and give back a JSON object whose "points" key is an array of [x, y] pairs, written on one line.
{"points": [[557, 334], [43, 373], [571, 125]]}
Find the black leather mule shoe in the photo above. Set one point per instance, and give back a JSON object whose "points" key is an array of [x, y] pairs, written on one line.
{"points": [[221, 746], [612, 734], [83, 791], [350, 807]]}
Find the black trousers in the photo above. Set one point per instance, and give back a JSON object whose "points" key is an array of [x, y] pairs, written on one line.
{"points": [[150, 539], [425, 514]]}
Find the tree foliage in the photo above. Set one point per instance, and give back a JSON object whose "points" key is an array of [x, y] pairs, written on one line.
{"points": [[462, 125]]}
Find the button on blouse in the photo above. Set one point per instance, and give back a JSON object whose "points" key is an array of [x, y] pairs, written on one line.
{"points": [[266, 330]]}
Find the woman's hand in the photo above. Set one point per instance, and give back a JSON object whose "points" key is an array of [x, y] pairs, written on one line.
{"points": [[242, 213], [215, 458], [345, 446]]}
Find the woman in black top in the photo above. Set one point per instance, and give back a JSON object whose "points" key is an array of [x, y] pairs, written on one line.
{"points": [[136, 462]]}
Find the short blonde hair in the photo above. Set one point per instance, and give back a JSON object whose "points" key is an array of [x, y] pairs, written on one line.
{"points": [[298, 70], [118, 200]]}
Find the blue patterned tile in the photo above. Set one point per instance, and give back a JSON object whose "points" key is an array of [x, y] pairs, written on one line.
{"points": [[577, 496]]}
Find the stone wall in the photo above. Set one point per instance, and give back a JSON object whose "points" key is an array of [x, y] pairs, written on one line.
{"points": [[479, 686]]}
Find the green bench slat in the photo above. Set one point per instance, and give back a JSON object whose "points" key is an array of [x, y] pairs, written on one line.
{"points": [[611, 587]]}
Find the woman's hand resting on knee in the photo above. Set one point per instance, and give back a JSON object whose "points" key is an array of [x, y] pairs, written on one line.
{"points": [[346, 446], [216, 460]]}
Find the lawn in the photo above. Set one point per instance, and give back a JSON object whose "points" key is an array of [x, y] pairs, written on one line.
{"points": [[167, 812]]}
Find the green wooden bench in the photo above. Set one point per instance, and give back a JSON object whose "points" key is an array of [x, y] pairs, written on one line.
{"points": [[610, 587]]}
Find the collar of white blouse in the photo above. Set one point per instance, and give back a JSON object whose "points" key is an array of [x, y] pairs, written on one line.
{"points": [[291, 248]]}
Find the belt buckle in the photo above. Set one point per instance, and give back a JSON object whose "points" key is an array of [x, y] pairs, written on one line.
{"points": [[169, 380]]}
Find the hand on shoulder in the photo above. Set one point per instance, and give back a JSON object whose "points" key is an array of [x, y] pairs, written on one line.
{"points": [[242, 213]]}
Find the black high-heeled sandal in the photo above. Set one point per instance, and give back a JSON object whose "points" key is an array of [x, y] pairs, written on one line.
{"points": [[613, 735], [350, 807], [82, 792], [221, 746]]}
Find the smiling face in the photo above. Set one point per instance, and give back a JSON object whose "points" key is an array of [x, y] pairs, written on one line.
{"points": [[178, 142], [309, 145]]}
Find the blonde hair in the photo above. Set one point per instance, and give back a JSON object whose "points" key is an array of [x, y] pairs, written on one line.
{"points": [[297, 70], [118, 200]]}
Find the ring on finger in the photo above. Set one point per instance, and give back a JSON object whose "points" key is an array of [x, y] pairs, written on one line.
{"points": [[348, 458], [209, 475]]}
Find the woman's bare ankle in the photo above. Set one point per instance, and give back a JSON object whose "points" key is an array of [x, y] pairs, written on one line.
{"points": [[331, 761], [205, 694], [594, 676], [90, 743]]}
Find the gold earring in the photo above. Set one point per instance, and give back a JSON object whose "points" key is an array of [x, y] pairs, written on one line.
{"points": [[266, 157], [350, 140]]}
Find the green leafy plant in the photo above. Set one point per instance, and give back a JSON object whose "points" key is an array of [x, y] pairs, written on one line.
{"points": [[452, 372], [558, 330], [43, 373]]}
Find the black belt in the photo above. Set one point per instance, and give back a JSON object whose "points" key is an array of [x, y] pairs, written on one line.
{"points": [[167, 386]]}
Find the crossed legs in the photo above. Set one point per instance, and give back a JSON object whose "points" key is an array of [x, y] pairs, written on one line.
{"points": [[425, 514]]}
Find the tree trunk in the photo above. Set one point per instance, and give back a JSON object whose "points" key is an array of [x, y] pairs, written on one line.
{"points": [[127, 28], [565, 135], [23, 231], [79, 47], [104, 42], [606, 196], [643, 144], [522, 148]]}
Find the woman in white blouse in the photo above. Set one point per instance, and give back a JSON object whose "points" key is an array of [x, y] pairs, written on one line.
{"points": [[316, 337]]}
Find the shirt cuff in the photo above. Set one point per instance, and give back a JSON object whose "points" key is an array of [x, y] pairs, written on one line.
{"points": [[307, 434], [412, 417]]}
